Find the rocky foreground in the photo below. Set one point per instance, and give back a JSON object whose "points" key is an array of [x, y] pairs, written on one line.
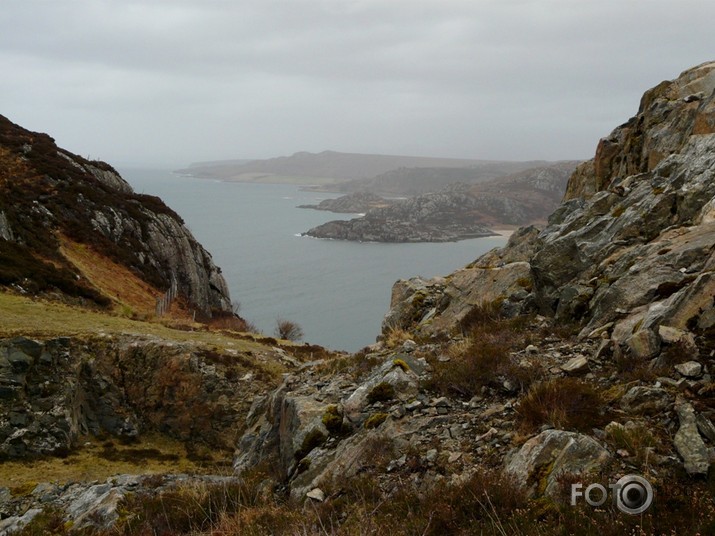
{"points": [[622, 277]]}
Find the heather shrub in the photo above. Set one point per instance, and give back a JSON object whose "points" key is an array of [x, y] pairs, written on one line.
{"points": [[564, 403]]}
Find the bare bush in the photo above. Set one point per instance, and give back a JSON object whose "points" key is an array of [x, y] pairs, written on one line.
{"points": [[289, 330]]}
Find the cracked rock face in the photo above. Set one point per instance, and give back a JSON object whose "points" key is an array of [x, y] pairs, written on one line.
{"points": [[542, 459], [52, 392]]}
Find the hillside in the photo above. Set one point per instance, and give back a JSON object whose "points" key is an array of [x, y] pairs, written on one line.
{"points": [[579, 354], [93, 383], [417, 180], [75, 227]]}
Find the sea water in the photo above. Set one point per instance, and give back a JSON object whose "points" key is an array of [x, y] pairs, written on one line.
{"points": [[337, 291]]}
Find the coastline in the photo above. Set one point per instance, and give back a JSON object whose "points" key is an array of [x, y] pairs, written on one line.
{"points": [[505, 232]]}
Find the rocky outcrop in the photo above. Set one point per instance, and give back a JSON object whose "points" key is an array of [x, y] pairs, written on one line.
{"points": [[431, 306], [354, 203], [5, 230], [48, 194], [381, 414], [54, 391], [688, 441], [633, 242], [553, 453], [375, 422], [95, 506]]}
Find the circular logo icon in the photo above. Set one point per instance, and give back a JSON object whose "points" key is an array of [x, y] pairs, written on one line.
{"points": [[634, 494]]}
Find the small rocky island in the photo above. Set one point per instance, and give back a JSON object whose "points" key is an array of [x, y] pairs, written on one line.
{"points": [[440, 217]]}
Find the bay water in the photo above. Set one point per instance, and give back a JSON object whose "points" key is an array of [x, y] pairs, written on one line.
{"points": [[337, 291]]}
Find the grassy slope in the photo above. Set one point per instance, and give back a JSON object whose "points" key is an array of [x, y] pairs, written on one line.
{"points": [[98, 460], [40, 318], [113, 280]]}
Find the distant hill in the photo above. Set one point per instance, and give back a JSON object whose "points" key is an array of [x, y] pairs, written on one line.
{"points": [[335, 167], [522, 198], [209, 163], [410, 181]]}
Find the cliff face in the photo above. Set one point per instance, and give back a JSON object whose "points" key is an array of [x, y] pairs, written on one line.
{"points": [[50, 198], [632, 243]]}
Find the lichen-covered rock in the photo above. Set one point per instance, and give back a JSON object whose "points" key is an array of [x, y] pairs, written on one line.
{"points": [[404, 385], [543, 458], [642, 399], [644, 344], [440, 304], [690, 369], [688, 441], [671, 335]]}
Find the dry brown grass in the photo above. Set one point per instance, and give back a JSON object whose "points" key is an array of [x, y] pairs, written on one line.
{"points": [[483, 357], [99, 459], [118, 283], [395, 337], [564, 403]]}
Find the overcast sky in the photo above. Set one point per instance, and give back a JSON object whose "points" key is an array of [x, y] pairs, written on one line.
{"points": [[168, 82]]}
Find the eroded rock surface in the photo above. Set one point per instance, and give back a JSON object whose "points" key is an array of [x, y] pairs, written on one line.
{"points": [[633, 242]]}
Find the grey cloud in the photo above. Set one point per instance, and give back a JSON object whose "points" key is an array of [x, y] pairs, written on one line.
{"points": [[168, 81]]}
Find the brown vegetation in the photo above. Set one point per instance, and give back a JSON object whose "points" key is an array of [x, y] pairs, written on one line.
{"points": [[563, 403], [484, 358], [34, 170], [288, 330], [487, 503]]}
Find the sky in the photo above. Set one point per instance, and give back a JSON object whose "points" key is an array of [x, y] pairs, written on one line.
{"points": [[163, 83]]}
